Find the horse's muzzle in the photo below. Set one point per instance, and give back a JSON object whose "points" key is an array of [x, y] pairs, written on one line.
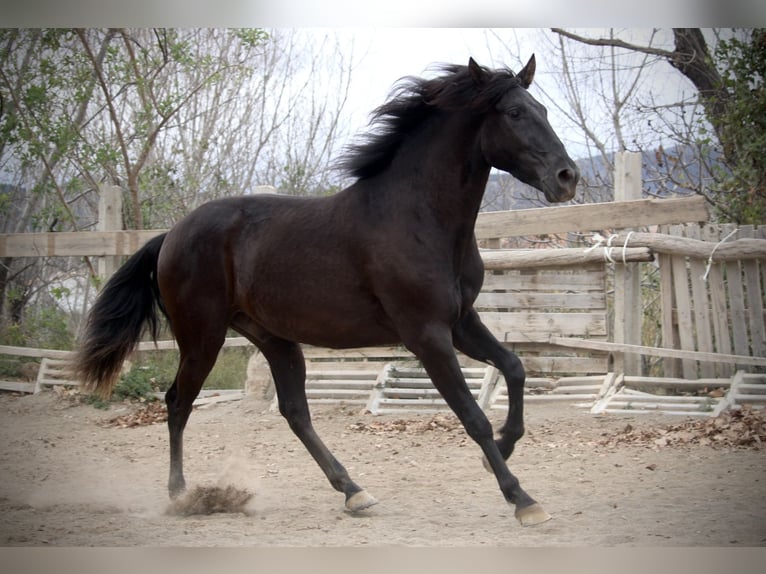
{"points": [[564, 186]]}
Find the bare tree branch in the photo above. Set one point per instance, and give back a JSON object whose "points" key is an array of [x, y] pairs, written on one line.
{"points": [[616, 43]]}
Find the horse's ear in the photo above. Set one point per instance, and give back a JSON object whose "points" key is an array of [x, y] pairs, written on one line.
{"points": [[527, 73], [477, 72]]}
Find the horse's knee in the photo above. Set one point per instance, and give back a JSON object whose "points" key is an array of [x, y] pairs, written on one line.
{"points": [[513, 369], [478, 428]]}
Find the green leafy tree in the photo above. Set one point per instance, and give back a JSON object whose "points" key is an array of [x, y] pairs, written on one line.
{"points": [[174, 117], [726, 129], [741, 126]]}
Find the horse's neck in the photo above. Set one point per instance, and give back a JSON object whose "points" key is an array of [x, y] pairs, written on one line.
{"points": [[445, 170]]}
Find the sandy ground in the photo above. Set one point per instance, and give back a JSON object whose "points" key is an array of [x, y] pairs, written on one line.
{"points": [[68, 480]]}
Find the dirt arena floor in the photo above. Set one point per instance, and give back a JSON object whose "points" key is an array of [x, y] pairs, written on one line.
{"points": [[69, 479]]}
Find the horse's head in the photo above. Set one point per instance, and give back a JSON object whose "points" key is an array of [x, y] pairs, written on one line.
{"points": [[516, 136]]}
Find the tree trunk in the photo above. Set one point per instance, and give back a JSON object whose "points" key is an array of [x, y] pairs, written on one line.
{"points": [[692, 58]]}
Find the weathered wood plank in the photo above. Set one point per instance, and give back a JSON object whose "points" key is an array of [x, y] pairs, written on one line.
{"points": [[171, 344], [588, 278], [74, 243], [754, 300], [341, 364], [17, 387], [109, 219], [552, 364], [684, 312], [719, 312], [538, 327], [498, 259], [657, 351], [665, 382], [701, 305], [591, 217], [627, 277], [737, 314], [32, 352], [677, 244], [316, 354], [353, 376], [729, 399], [535, 300], [611, 383], [671, 367]]}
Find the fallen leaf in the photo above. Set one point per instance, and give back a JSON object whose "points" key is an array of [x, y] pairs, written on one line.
{"points": [[742, 428]]}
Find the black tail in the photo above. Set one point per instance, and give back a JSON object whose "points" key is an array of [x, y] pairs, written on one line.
{"points": [[124, 309]]}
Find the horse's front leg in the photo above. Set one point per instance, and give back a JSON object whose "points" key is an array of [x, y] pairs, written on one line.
{"points": [[473, 338], [434, 347]]}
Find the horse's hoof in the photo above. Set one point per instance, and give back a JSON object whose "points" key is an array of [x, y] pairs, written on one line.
{"points": [[176, 491], [531, 515], [359, 501]]}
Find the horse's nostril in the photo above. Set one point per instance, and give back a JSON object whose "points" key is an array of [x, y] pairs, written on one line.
{"points": [[567, 176]]}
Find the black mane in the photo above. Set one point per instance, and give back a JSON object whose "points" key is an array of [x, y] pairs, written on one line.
{"points": [[415, 99]]}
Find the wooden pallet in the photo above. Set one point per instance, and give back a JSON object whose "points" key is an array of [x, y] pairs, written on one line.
{"points": [[17, 386], [346, 376], [673, 396], [402, 388], [49, 372], [53, 372], [581, 388]]}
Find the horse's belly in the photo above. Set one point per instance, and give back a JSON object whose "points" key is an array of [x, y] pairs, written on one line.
{"points": [[327, 317]]}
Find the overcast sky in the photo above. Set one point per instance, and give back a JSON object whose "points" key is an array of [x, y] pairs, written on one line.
{"points": [[384, 55]]}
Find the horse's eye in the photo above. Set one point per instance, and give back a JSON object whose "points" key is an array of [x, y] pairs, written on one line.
{"points": [[514, 113]]}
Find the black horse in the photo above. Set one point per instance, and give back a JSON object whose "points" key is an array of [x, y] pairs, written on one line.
{"points": [[390, 259]]}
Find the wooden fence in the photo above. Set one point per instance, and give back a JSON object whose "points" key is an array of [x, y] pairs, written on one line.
{"points": [[540, 221], [552, 305], [712, 292], [714, 304]]}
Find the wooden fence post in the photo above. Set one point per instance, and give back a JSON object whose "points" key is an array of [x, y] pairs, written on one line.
{"points": [[109, 219], [628, 309]]}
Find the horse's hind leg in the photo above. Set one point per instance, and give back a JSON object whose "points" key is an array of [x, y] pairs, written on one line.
{"points": [[289, 371], [198, 353]]}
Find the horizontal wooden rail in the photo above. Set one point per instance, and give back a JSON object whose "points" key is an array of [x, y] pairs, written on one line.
{"points": [[142, 346], [591, 217], [585, 218], [731, 250], [657, 351], [498, 259], [74, 243], [171, 344], [32, 352]]}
